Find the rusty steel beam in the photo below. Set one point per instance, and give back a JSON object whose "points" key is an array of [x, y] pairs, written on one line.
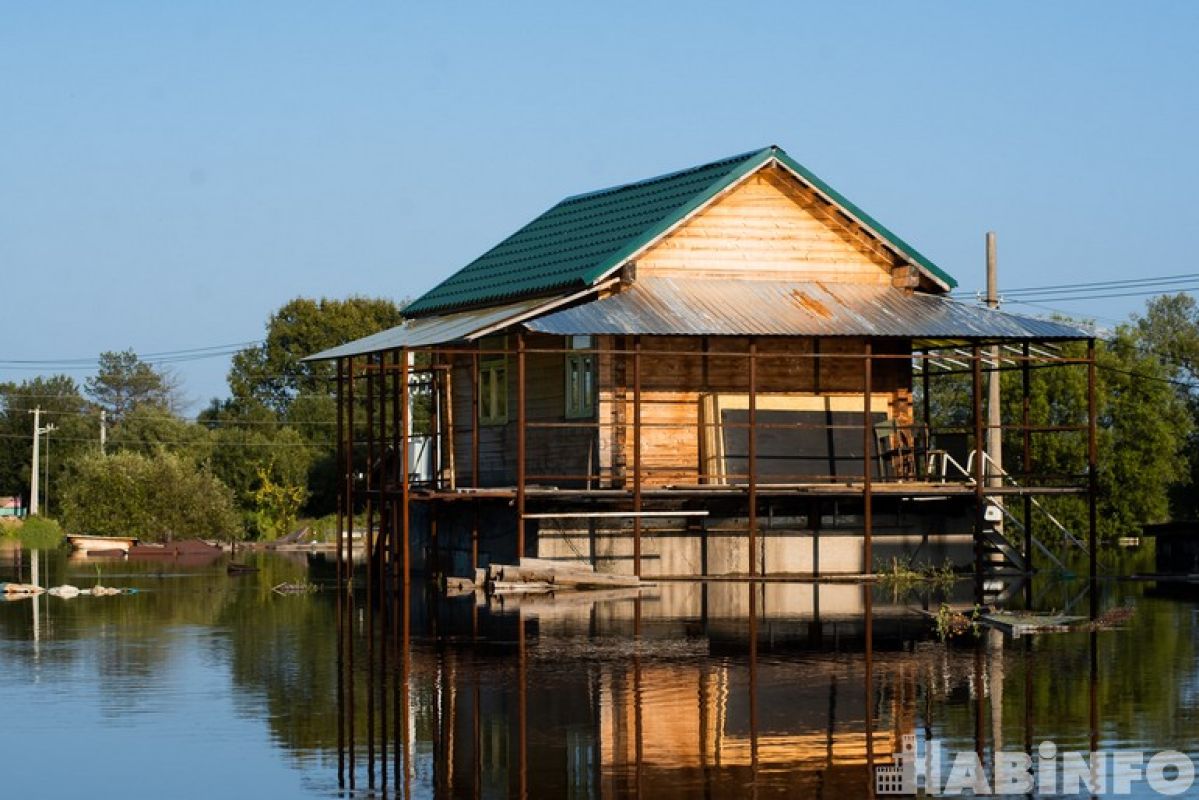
{"points": [[521, 432], [1092, 477], [1026, 460], [405, 492], [474, 456], [340, 603], [976, 382], [752, 421], [637, 455], [867, 446]]}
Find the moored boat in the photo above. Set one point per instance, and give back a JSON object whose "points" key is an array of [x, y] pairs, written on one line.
{"points": [[88, 543]]}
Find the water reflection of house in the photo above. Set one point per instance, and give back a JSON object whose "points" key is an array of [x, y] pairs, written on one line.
{"points": [[668, 376]]}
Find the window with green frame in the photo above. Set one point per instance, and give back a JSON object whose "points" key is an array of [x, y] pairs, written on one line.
{"points": [[493, 382], [580, 379], [493, 390]]}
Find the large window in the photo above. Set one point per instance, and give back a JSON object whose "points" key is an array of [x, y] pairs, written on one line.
{"points": [[580, 379], [493, 390]]}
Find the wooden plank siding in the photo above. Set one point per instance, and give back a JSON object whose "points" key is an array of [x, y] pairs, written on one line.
{"points": [[673, 387], [771, 227], [549, 451]]}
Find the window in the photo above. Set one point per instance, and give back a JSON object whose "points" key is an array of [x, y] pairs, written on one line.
{"points": [[580, 379], [493, 390]]}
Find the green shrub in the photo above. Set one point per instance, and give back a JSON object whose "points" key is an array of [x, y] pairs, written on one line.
{"points": [[40, 533]]}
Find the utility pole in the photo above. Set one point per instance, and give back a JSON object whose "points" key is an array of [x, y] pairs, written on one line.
{"points": [[103, 429], [34, 473], [38, 430], [994, 417]]}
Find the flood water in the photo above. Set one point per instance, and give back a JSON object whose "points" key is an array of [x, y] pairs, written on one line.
{"points": [[208, 685]]}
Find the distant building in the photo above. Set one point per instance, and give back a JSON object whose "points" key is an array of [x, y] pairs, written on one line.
{"points": [[11, 507]]}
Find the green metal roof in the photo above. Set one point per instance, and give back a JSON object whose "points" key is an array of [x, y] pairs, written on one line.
{"points": [[586, 236]]}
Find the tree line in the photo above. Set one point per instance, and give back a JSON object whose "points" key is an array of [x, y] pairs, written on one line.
{"points": [[247, 466]]}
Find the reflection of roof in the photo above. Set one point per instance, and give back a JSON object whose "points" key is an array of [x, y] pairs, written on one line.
{"points": [[670, 306], [585, 237]]}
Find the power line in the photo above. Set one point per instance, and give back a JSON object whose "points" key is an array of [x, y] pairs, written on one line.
{"points": [[164, 356], [152, 442]]}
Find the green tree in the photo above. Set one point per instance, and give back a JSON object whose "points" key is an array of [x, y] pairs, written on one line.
{"points": [[273, 373], [123, 381], [147, 429], [154, 497], [277, 505], [77, 430], [1169, 334]]}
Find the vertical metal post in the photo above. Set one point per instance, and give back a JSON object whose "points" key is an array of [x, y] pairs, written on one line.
{"points": [[521, 423], [976, 383], [405, 494], [349, 569], [753, 456], [637, 456], [397, 478], [926, 397], [867, 461], [340, 611], [1092, 475], [372, 364], [1026, 447], [474, 456]]}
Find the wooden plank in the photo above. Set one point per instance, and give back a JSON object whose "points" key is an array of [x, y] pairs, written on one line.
{"points": [[771, 226]]}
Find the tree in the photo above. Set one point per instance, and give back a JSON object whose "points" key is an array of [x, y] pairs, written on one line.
{"points": [[277, 505], [123, 381], [273, 374], [1169, 334], [154, 497], [148, 429], [76, 430], [1143, 426]]}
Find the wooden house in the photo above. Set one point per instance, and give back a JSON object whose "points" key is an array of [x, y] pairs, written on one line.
{"points": [[671, 375]]}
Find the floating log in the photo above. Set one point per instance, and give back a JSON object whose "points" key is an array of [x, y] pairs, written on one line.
{"points": [[20, 588], [520, 587]]}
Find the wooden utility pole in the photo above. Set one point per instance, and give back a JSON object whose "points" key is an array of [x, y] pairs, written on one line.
{"points": [[994, 417]]}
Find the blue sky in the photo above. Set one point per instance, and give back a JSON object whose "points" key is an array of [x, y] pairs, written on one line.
{"points": [[170, 173]]}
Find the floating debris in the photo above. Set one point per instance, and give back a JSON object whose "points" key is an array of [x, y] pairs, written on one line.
{"points": [[20, 589], [297, 587], [1112, 618], [1024, 623]]}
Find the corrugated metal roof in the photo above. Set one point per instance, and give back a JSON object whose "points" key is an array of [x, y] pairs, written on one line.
{"points": [[433, 330], [668, 306], [584, 237]]}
